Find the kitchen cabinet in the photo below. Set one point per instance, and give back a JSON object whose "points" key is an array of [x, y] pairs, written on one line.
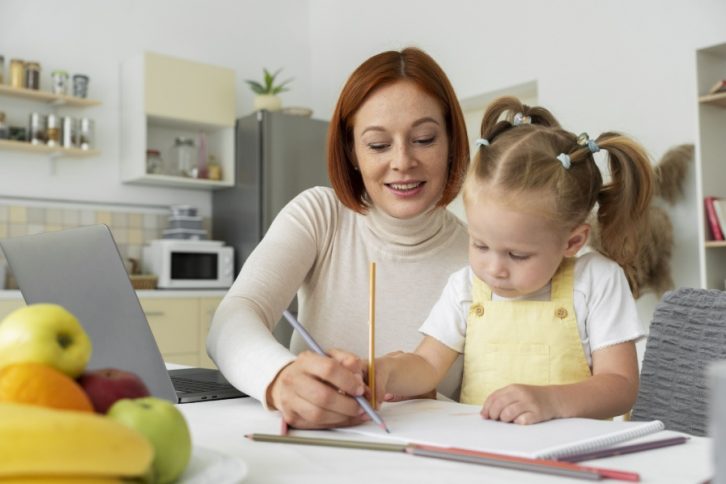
{"points": [[710, 167], [54, 101], [163, 98], [179, 322]]}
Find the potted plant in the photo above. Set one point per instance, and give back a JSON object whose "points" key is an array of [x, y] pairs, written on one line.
{"points": [[266, 92]]}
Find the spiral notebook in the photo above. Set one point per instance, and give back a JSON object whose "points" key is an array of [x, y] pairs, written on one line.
{"points": [[451, 424]]}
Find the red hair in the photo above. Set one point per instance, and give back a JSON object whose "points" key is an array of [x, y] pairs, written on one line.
{"points": [[382, 69]]}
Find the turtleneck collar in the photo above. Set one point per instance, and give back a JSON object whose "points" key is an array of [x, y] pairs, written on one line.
{"points": [[409, 232]]}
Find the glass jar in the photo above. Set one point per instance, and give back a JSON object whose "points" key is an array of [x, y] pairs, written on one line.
{"points": [[17, 73], [60, 82], [154, 163], [184, 156], [36, 128], [80, 85], [52, 131], [86, 135], [32, 75], [2, 70], [68, 132], [4, 131]]}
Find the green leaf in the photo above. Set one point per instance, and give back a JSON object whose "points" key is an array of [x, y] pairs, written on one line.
{"points": [[268, 85]]}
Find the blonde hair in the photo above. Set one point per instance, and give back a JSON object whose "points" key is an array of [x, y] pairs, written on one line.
{"points": [[524, 157]]}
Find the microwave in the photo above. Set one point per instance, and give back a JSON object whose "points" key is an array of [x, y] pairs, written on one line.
{"points": [[189, 264]]}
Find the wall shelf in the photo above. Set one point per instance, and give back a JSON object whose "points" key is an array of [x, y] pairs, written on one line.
{"points": [[714, 99], [54, 151], [46, 97]]}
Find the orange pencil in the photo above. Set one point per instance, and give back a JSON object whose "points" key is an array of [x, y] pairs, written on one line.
{"points": [[372, 333]]}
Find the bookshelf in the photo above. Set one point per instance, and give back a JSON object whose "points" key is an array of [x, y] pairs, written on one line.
{"points": [[711, 160]]}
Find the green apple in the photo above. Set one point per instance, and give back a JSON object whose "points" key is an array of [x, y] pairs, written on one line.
{"points": [[164, 426], [45, 333]]}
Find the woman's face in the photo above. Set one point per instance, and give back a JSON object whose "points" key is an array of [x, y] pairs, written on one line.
{"points": [[401, 149]]}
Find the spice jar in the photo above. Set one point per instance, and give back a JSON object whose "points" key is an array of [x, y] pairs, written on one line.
{"points": [[68, 132], [214, 169], [154, 163], [2, 70], [184, 155], [86, 139], [52, 132], [36, 128], [60, 82], [17, 73], [4, 131], [32, 75], [80, 85]]}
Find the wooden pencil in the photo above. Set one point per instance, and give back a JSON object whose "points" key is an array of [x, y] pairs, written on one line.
{"points": [[372, 333], [348, 444]]}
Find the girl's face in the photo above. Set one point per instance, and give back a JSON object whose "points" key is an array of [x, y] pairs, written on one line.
{"points": [[401, 149], [513, 247]]}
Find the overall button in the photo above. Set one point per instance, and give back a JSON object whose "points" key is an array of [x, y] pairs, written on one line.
{"points": [[561, 313], [478, 310]]}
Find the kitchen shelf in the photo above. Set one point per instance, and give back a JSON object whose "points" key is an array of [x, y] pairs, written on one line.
{"points": [[46, 97], [714, 99], [54, 151], [183, 182]]}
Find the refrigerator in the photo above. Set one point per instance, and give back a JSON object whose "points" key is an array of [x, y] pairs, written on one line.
{"points": [[277, 156]]}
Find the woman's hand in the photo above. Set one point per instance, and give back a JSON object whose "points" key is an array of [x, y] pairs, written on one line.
{"points": [[315, 391]]}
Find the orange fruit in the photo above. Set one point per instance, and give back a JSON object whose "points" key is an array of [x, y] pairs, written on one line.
{"points": [[41, 384]]}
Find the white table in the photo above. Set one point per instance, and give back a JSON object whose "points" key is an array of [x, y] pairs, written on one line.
{"points": [[222, 425]]}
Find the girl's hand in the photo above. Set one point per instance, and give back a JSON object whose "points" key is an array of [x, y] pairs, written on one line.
{"points": [[315, 391], [521, 404]]}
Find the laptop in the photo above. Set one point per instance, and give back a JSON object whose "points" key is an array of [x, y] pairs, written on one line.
{"points": [[81, 269]]}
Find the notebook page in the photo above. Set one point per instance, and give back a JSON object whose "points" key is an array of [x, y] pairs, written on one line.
{"points": [[451, 424]]}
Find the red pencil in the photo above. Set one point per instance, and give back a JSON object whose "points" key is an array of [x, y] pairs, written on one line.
{"points": [[524, 463]]}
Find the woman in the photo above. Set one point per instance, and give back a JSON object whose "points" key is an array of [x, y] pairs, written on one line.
{"points": [[397, 153]]}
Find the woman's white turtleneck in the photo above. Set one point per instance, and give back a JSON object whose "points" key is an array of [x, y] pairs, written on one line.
{"points": [[321, 250]]}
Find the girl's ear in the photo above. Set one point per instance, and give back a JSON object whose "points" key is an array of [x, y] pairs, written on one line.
{"points": [[577, 238]]}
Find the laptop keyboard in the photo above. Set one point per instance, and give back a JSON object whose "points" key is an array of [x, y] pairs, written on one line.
{"points": [[187, 385]]}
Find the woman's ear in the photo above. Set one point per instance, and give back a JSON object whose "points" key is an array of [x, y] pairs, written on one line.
{"points": [[577, 238]]}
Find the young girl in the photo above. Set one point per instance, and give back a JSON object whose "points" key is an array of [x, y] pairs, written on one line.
{"points": [[545, 332]]}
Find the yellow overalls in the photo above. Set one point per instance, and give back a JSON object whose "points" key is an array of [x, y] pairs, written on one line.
{"points": [[526, 342]]}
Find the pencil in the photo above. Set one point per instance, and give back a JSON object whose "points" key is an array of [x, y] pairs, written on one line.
{"points": [[372, 333], [317, 349], [624, 449], [348, 444], [522, 463]]}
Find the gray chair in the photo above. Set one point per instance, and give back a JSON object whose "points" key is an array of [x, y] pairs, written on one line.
{"points": [[687, 333]]}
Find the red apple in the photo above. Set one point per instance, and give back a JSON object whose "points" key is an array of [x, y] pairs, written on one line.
{"points": [[107, 385]]}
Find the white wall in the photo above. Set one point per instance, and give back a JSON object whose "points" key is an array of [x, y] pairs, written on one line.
{"points": [[611, 65], [616, 64], [94, 37]]}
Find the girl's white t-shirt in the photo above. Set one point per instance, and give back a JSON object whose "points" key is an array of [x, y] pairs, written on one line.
{"points": [[604, 306]]}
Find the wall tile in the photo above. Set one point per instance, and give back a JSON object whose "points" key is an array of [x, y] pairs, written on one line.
{"points": [[136, 236], [17, 230], [103, 218], [136, 220], [54, 216], [4, 213], [35, 229], [71, 218], [88, 217], [119, 219], [151, 221], [18, 215], [36, 215]]}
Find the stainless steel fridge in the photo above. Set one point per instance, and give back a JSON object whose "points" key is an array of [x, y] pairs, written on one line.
{"points": [[277, 157]]}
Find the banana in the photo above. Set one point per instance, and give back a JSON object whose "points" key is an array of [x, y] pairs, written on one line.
{"points": [[44, 443], [62, 480]]}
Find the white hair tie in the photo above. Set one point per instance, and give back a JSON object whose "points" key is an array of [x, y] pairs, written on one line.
{"points": [[482, 142], [565, 160]]}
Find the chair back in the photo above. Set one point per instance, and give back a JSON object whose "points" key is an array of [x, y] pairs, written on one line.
{"points": [[687, 333]]}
